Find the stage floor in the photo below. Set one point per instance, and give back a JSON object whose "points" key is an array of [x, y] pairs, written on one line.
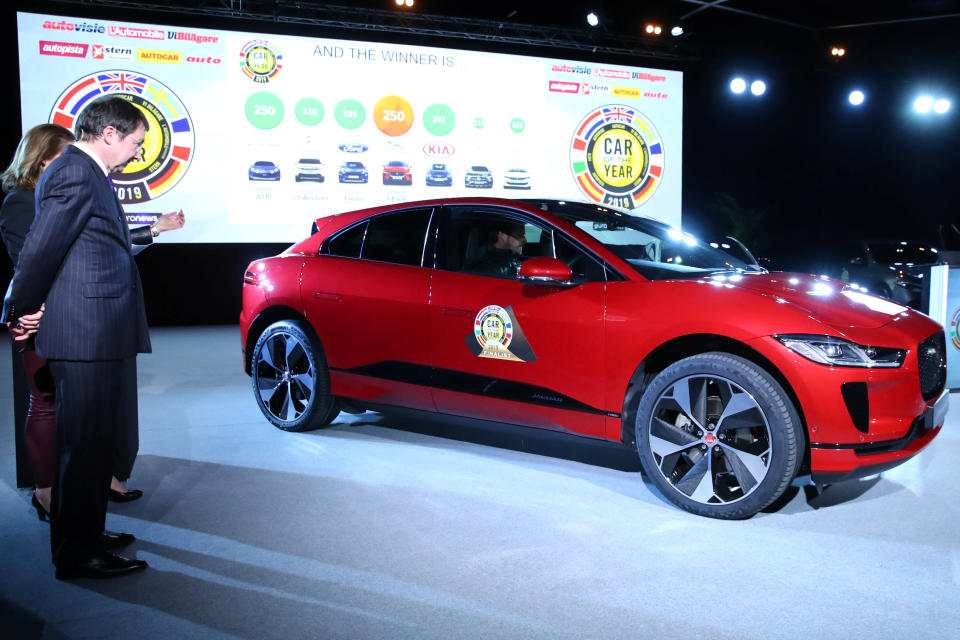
{"points": [[410, 528]]}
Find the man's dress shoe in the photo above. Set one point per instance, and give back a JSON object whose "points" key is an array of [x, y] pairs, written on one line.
{"points": [[100, 565], [112, 540], [124, 496]]}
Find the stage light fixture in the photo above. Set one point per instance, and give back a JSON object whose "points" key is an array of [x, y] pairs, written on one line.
{"points": [[856, 97], [653, 29], [923, 104], [676, 31], [592, 19], [758, 87], [941, 105], [738, 85], [838, 52]]}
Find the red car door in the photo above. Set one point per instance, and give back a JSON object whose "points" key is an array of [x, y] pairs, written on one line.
{"points": [[368, 300], [508, 350]]}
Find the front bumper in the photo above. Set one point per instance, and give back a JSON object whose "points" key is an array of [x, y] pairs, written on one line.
{"points": [[836, 462]]}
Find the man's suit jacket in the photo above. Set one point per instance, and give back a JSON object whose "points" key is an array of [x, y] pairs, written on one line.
{"points": [[77, 259]]}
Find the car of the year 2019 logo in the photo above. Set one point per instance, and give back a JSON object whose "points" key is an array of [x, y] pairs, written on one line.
{"points": [[169, 143], [260, 60], [617, 156]]}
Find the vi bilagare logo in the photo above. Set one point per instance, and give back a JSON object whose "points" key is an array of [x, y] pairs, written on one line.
{"points": [[260, 60], [617, 156], [169, 144]]}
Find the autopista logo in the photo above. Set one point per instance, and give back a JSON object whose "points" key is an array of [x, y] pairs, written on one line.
{"points": [[169, 142], [617, 156], [260, 61]]}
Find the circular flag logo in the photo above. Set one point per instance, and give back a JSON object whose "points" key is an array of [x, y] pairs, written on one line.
{"points": [[954, 338], [492, 325], [169, 144], [260, 61], [617, 156]]}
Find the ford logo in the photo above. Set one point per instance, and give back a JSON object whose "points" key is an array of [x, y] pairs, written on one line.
{"points": [[353, 147]]}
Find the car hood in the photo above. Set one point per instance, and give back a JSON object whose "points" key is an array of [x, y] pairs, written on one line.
{"points": [[830, 301]]}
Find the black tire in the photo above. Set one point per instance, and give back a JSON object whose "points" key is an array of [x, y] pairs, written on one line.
{"points": [[291, 382], [718, 436]]}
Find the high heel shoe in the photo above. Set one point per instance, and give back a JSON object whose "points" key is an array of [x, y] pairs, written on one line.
{"points": [[42, 513]]}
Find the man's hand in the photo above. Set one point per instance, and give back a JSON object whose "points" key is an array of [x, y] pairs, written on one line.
{"points": [[170, 221], [26, 326]]}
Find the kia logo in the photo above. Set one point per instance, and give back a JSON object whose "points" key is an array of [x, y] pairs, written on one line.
{"points": [[438, 149]]}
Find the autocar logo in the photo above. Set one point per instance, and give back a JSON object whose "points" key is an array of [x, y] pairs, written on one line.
{"points": [[352, 147], [260, 60], [616, 156], [439, 149], [168, 146]]}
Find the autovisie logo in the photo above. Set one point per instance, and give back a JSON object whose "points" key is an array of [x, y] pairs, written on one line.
{"points": [[617, 156], [168, 146], [260, 61]]}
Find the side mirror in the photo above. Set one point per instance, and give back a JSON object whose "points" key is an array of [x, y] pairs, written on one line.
{"points": [[545, 269]]}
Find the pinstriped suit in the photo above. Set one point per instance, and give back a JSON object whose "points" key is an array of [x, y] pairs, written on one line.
{"points": [[77, 259]]}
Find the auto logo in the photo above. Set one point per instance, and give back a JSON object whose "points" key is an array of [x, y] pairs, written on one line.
{"points": [[169, 142], [439, 149], [710, 439], [616, 156], [353, 147]]}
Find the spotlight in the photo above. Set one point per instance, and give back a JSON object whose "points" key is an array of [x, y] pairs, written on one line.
{"points": [[942, 105], [676, 31], [592, 19], [653, 29], [856, 97], [758, 87], [838, 52], [923, 104], [738, 85]]}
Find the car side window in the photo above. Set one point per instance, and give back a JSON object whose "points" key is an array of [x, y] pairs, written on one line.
{"points": [[348, 243], [397, 237], [584, 267], [484, 242]]}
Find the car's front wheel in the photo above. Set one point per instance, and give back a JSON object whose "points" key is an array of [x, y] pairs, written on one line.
{"points": [[291, 381], [718, 436]]}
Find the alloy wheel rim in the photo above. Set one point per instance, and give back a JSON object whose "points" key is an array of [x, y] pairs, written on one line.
{"points": [[285, 383], [710, 439]]}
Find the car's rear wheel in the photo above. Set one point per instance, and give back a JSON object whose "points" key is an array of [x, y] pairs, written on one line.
{"points": [[718, 436], [291, 381]]}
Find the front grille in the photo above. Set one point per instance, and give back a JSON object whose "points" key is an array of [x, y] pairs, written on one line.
{"points": [[932, 360]]}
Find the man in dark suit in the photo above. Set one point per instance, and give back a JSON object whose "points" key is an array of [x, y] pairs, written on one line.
{"points": [[77, 258]]}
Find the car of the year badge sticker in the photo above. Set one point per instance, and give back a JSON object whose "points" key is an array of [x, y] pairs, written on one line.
{"points": [[496, 334], [617, 156], [168, 145]]}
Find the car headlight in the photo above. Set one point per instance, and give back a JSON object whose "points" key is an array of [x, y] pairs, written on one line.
{"points": [[837, 352]]}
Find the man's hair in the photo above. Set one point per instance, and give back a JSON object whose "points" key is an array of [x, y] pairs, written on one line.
{"points": [[38, 146], [109, 111]]}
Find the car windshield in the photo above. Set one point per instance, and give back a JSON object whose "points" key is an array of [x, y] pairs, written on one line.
{"points": [[263, 164], [309, 161], [439, 167], [354, 165], [396, 163], [655, 249], [903, 253]]}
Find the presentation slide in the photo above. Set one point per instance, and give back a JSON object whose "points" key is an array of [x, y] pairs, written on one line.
{"points": [[256, 135]]}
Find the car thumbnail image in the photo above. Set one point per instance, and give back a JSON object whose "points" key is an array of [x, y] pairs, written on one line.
{"points": [[478, 177], [309, 169], [438, 175], [353, 171], [516, 179], [397, 172], [263, 170]]}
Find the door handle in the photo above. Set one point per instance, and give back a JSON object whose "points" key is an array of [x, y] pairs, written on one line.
{"points": [[333, 297], [456, 313]]}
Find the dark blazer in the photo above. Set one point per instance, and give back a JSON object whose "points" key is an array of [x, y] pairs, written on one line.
{"points": [[16, 216], [77, 259]]}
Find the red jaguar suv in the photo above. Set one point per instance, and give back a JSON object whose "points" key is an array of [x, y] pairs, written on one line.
{"points": [[729, 381]]}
